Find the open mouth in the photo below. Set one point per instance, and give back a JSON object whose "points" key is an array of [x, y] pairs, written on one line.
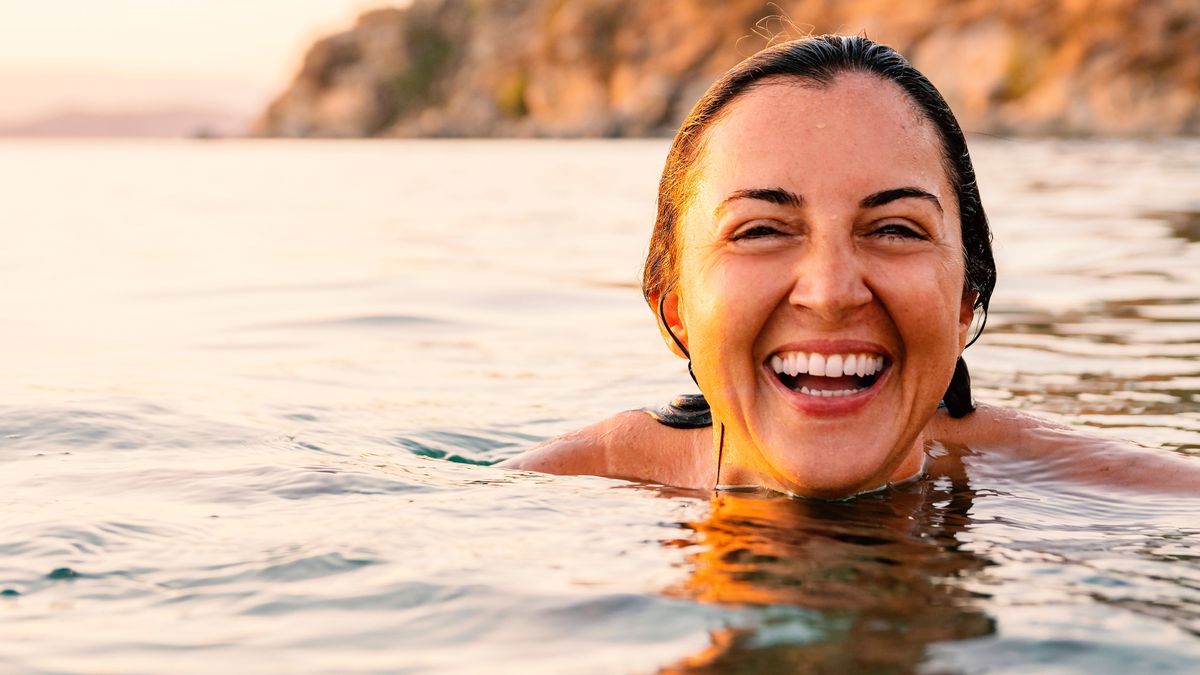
{"points": [[827, 375]]}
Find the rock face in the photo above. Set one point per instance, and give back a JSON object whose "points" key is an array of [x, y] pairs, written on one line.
{"points": [[634, 68]]}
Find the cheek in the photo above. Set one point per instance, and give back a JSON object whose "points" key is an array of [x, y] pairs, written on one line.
{"points": [[726, 303], [924, 301], [712, 310]]}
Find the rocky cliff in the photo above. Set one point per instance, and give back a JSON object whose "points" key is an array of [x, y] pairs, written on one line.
{"points": [[635, 67]]}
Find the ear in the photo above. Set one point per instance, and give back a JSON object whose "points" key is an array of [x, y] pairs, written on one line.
{"points": [[670, 322], [966, 314]]}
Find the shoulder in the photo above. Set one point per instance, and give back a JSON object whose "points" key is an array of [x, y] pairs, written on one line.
{"points": [[992, 425], [1003, 439], [630, 445]]}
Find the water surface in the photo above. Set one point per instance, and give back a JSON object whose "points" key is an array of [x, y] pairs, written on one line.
{"points": [[253, 388]]}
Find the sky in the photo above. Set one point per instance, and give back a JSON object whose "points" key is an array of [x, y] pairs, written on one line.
{"points": [[121, 55]]}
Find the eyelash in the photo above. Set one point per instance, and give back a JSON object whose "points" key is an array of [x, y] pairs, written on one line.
{"points": [[756, 232], [890, 230], [899, 231]]}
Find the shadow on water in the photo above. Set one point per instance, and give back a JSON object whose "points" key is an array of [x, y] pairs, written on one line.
{"points": [[870, 581]]}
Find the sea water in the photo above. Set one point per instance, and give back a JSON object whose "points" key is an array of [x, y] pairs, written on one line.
{"points": [[252, 390]]}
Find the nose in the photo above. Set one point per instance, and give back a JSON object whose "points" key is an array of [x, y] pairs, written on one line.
{"points": [[829, 279]]}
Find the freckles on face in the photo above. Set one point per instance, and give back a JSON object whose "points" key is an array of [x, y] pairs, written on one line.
{"points": [[822, 235]]}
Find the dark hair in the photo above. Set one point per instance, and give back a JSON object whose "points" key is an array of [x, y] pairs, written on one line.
{"points": [[818, 60]]}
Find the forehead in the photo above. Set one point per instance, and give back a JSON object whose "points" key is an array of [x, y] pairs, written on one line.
{"points": [[858, 134]]}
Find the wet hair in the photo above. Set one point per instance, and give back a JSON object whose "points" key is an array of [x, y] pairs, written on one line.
{"points": [[817, 60]]}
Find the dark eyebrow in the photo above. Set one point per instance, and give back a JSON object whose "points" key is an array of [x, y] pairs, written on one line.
{"points": [[774, 195], [887, 196]]}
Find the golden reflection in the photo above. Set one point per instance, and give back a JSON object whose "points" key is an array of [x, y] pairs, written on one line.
{"points": [[865, 584]]}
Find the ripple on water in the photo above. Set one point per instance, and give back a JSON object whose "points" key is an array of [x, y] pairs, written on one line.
{"points": [[1066, 637], [117, 424], [274, 490], [430, 623], [463, 447], [254, 577], [380, 321]]}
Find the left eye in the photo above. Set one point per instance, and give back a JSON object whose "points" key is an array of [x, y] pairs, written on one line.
{"points": [[757, 231], [898, 230]]}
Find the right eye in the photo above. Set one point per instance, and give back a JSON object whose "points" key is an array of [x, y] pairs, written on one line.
{"points": [[757, 230]]}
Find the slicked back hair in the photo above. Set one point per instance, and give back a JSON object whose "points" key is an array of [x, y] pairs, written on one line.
{"points": [[817, 60]]}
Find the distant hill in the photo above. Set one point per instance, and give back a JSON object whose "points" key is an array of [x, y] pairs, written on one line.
{"points": [[634, 67], [171, 123]]}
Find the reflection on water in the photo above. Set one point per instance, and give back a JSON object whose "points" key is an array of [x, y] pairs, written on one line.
{"points": [[940, 576], [873, 580], [250, 386]]}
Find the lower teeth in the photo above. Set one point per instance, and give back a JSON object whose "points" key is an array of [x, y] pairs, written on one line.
{"points": [[828, 393]]}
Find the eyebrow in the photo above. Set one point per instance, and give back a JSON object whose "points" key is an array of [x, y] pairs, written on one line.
{"points": [[774, 195], [887, 196], [788, 198]]}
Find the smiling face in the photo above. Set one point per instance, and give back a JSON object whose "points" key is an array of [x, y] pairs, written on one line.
{"points": [[820, 289]]}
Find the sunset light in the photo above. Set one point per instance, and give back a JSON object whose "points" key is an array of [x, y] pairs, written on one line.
{"points": [[591, 337]]}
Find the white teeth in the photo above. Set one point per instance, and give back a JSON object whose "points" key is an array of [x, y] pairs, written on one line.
{"points": [[832, 365], [828, 393], [816, 364]]}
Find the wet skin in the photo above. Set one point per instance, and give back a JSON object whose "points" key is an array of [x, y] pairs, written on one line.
{"points": [[822, 224], [993, 441]]}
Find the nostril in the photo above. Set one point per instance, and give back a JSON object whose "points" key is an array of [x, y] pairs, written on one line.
{"points": [[830, 290]]}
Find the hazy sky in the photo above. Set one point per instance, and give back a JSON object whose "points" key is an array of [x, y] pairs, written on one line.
{"points": [[124, 54]]}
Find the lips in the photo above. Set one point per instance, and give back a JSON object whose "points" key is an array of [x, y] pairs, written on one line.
{"points": [[828, 381]]}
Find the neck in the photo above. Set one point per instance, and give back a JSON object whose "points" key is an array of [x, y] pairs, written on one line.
{"points": [[739, 468]]}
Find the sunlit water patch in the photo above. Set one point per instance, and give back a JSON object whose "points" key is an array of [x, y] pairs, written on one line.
{"points": [[254, 389]]}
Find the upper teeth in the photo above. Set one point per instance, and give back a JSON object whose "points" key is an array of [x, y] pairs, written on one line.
{"points": [[832, 365]]}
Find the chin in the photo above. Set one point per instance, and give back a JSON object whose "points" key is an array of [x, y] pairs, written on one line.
{"points": [[830, 446], [831, 468]]}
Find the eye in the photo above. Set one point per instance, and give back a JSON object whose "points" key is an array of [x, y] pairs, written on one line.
{"points": [[895, 230], [759, 229]]}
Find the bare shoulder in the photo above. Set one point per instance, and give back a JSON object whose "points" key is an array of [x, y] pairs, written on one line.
{"points": [[1038, 448], [629, 445]]}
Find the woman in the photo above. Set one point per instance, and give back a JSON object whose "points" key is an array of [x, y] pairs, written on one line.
{"points": [[819, 256]]}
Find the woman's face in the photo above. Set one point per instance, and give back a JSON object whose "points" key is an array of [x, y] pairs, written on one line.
{"points": [[820, 288]]}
